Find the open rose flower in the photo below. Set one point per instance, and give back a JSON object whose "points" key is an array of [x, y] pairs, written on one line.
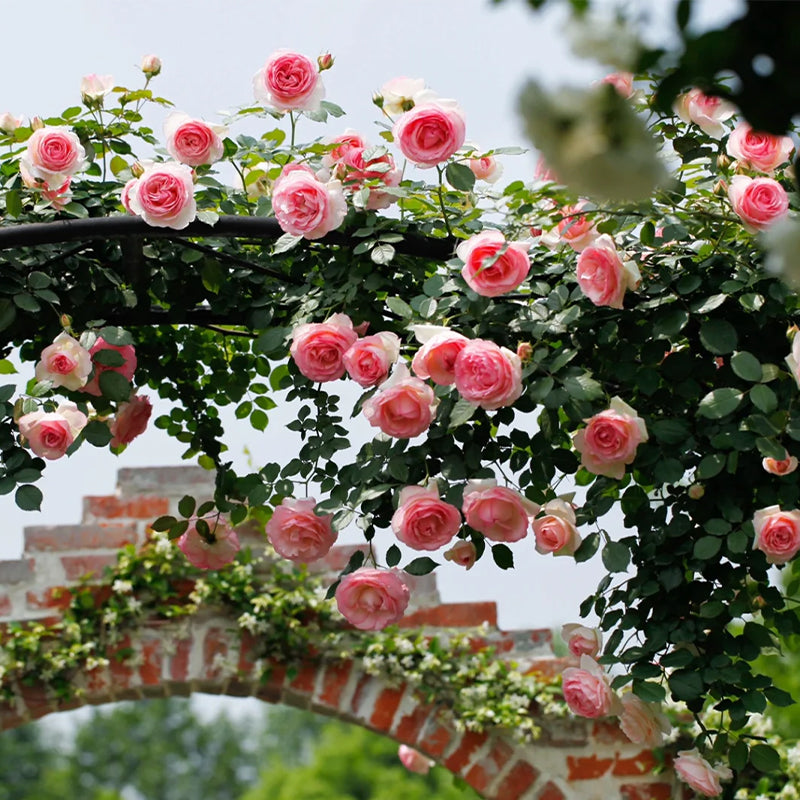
{"points": [[95, 87], [499, 513], [369, 360], [487, 375], [192, 141], [318, 348], [582, 641], [764, 152], [793, 360], [430, 132], [705, 111], [402, 94], [289, 82], [555, 530], [423, 521], [50, 434], [304, 205], [370, 599], [693, 769], [608, 443], [9, 123], [493, 267], [462, 553], [777, 533], [576, 229], [603, 276], [58, 196], [53, 154], [643, 723], [759, 202], [587, 691], [64, 363], [783, 467], [403, 406], [126, 369], [298, 533], [486, 168], [210, 553], [413, 760], [436, 359], [164, 196], [130, 420], [621, 81]]}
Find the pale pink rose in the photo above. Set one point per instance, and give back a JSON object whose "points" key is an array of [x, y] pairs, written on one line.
{"points": [[462, 553], [582, 641], [643, 723], [793, 359], [693, 769], [164, 196], [192, 141], [758, 201], [609, 441], [289, 82], [777, 533], [210, 553], [576, 229], [127, 369], [125, 198], [95, 87], [58, 197], [543, 172], [423, 521], [621, 81], [487, 375], [603, 276], [436, 359], [304, 205], [53, 153], [64, 363], [499, 513], [430, 133], [555, 531], [369, 360], [486, 168], [345, 142], [318, 348], [403, 406], [492, 266], [783, 467], [8, 122], [151, 65], [761, 151], [298, 533], [413, 760], [370, 599], [130, 420], [402, 94], [705, 111], [356, 170], [50, 434], [586, 690]]}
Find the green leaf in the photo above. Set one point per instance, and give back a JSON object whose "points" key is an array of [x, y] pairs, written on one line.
{"points": [[706, 547], [669, 431], [616, 556], [28, 498], [97, 433], [737, 755], [163, 523], [186, 505], [763, 398], [421, 566], [393, 556], [686, 684], [212, 276], [719, 403], [764, 758], [382, 253], [286, 243], [719, 337], [778, 697], [746, 366], [6, 367], [502, 556], [13, 203], [259, 420], [272, 342], [583, 387], [114, 386], [461, 412], [588, 547], [7, 313], [460, 176], [648, 691], [39, 280], [710, 466], [115, 335], [400, 307], [279, 376]]}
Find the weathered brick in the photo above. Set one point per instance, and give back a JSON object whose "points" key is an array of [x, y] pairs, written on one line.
{"points": [[215, 648], [386, 706], [179, 660], [469, 745], [247, 647], [152, 658], [584, 768], [58, 597], [5, 605], [485, 770], [304, 679], [76, 567], [640, 764], [645, 791], [121, 671], [16, 571], [334, 682], [605, 732], [435, 738], [112, 507], [548, 667], [170, 481], [408, 726], [37, 701], [520, 778], [550, 792], [79, 537], [452, 615]]}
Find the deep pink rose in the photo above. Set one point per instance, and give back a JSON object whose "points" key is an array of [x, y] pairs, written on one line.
{"points": [[213, 554], [436, 359], [318, 348], [758, 201], [164, 196], [586, 690], [582, 641], [705, 111], [423, 521], [298, 533], [64, 363], [777, 533], [555, 530], [289, 82], [50, 434], [499, 513], [761, 151], [127, 369], [345, 142], [643, 723], [304, 205], [576, 229], [462, 553], [609, 441], [53, 154], [603, 276], [693, 769], [371, 599], [131, 420], [413, 760], [403, 406], [491, 266], [431, 132], [784, 467], [369, 360], [486, 168], [487, 375], [192, 141]]}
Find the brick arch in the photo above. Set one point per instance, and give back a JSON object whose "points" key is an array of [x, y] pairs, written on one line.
{"points": [[573, 759]]}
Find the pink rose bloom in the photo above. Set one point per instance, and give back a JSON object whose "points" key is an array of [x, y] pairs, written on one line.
{"points": [[95, 87], [131, 420], [575, 229], [413, 760], [486, 168], [543, 172], [349, 140], [214, 554], [793, 360], [582, 641], [356, 170], [298, 533], [58, 197], [586, 690], [609, 441], [777, 533], [403, 406], [402, 94], [164, 196], [369, 360], [151, 65], [125, 197], [304, 205], [127, 370], [430, 133], [555, 532], [192, 141], [693, 769], [784, 467], [436, 359], [621, 81], [487, 375], [492, 267], [64, 363], [423, 521], [318, 348], [758, 201], [289, 82], [371, 599], [53, 154], [705, 111], [499, 513], [764, 152], [462, 553], [643, 723], [603, 276], [50, 434]]}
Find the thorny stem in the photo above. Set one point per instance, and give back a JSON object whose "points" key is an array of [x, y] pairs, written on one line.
{"points": [[440, 192]]}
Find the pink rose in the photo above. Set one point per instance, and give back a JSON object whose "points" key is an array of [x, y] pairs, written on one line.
{"points": [[486, 168], [164, 196], [131, 420], [289, 82], [543, 172], [621, 81], [487, 375], [304, 205], [693, 769], [555, 532], [462, 553], [430, 133], [436, 359], [53, 154], [603, 276], [705, 111], [793, 360], [50, 434], [642, 722], [8, 122], [492, 267], [413, 760], [95, 87], [423, 521], [151, 65], [349, 140], [298, 533], [371, 599], [609, 441], [356, 170], [126, 369], [125, 197], [499, 513], [369, 360], [402, 94], [403, 406], [758, 201], [582, 641], [192, 141], [64, 363], [575, 229], [214, 552], [586, 690], [318, 348], [761, 151], [784, 467], [777, 533], [58, 197]]}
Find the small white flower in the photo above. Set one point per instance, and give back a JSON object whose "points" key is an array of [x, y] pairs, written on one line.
{"points": [[121, 587]]}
